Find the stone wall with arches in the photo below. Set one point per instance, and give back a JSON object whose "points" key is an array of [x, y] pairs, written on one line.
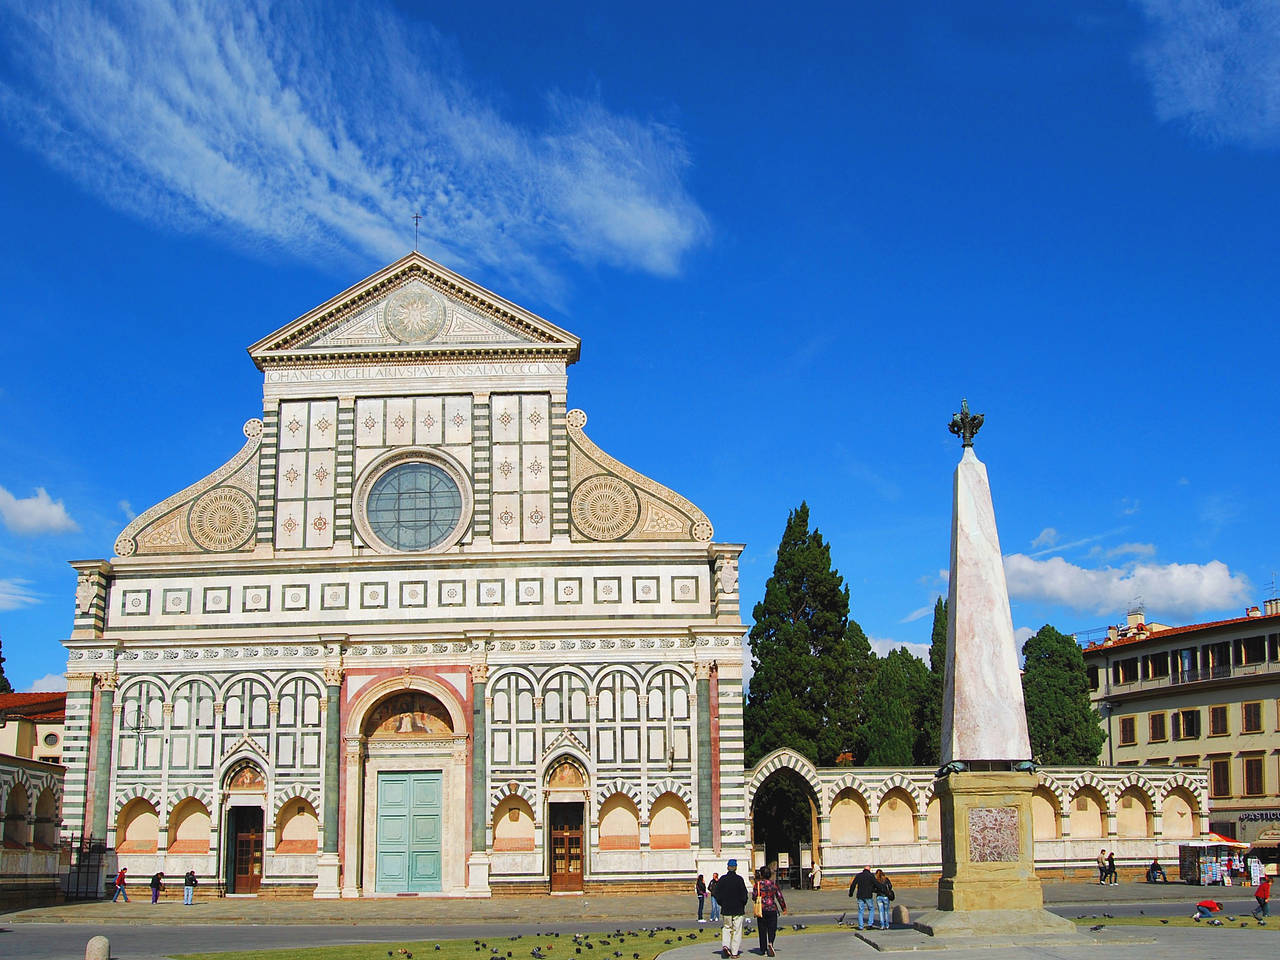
{"points": [[1138, 813], [31, 793]]}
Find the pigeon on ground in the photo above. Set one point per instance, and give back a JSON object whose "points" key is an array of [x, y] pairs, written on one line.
{"points": [[1164, 921], [1231, 918], [1097, 926], [840, 919], [1108, 916], [798, 926], [1215, 922]]}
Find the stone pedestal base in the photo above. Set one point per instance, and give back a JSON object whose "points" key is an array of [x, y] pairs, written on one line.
{"points": [[478, 875], [989, 885], [327, 866]]}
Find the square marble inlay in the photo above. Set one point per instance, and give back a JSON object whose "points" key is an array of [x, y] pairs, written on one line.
{"points": [[993, 834]]}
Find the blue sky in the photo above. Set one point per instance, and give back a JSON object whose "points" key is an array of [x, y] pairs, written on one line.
{"points": [[791, 240]]}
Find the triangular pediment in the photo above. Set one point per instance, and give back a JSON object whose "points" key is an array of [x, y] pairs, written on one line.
{"points": [[414, 308]]}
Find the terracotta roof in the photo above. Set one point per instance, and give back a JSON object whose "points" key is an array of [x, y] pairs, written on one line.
{"points": [[1271, 619], [44, 707]]}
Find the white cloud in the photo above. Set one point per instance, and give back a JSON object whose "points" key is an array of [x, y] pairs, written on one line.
{"points": [[1175, 588], [1021, 635], [127, 509], [1063, 547], [318, 133], [1214, 65], [14, 595], [918, 614], [1046, 538], [882, 646], [49, 683], [35, 515]]}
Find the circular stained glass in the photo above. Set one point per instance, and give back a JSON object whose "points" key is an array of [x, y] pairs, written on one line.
{"points": [[414, 506]]}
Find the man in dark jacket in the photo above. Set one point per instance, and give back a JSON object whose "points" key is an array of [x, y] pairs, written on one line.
{"points": [[864, 888], [731, 894]]}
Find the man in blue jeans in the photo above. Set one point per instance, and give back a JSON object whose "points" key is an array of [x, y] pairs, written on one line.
{"points": [[864, 888]]}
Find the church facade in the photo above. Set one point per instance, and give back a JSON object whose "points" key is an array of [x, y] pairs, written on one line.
{"points": [[419, 635]]}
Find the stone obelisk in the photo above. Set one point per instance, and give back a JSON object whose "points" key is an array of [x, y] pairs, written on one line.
{"points": [[989, 885]]}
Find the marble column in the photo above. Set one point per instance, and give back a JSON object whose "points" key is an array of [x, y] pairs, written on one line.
{"points": [[706, 837], [478, 862], [102, 755], [328, 864]]}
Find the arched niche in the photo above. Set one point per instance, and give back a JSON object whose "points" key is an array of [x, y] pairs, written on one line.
{"points": [[45, 831], [137, 827], [1045, 816], [407, 715], [1088, 815], [668, 823], [297, 827], [619, 823], [190, 827], [16, 810], [1134, 814], [849, 819], [513, 825], [897, 817], [1179, 815]]}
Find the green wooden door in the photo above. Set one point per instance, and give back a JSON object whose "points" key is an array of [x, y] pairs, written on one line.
{"points": [[409, 810]]}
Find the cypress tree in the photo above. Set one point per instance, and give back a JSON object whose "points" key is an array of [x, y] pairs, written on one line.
{"points": [[891, 733], [1063, 725], [930, 744], [803, 694], [5, 686]]}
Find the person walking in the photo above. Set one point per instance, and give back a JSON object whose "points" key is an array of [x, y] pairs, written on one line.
{"points": [[1111, 868], [731, 892], [771, 901], [157, 884], [1102, 867], [715, 904], [120, 882], [884, 895], [863, 888], [1262, 893], [700, 888], [189, 888]]}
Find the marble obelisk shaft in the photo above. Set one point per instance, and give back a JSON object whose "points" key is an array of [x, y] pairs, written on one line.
{"points": [[983, 714]]}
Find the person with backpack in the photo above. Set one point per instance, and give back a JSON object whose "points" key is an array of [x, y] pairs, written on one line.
{"points": [[189, 888], [884, 896], [157, 884], [770, 903], [120, 882]]}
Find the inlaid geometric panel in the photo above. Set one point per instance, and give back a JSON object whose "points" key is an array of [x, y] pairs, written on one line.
{"points": [[993, 834], [413, 593]]}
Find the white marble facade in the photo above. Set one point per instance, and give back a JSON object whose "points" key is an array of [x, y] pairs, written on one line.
{"points": [[418, 578]]}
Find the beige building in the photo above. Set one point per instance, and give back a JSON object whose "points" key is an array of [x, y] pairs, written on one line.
{"points": [[1203, 695], [30, 797]]}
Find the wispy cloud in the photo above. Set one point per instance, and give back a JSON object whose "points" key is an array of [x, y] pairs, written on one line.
{"points": [[1083, 541], [318, 132], [1131, 550], [918, 614], [1046, 538], [15, 594], [1214, 65], [1174, 588], [34, 515], [127, 509]]}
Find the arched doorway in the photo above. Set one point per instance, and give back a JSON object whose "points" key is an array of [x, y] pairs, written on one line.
{"points": [[785, 810], [566, 785], [406, 822], [245, 800]]}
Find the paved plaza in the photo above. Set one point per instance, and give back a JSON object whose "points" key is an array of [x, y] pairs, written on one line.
{"points": [[141, 931]]}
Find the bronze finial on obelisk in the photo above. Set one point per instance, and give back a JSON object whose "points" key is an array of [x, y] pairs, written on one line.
{"points": [[964, 424]]}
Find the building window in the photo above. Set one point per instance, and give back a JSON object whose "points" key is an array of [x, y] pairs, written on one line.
{"points": [[1125, 671], [1157, 731], [1251, 717], [1219, 778], [1128, 731], [1186, 725], [1253, 777], [50, 739], [414, 506], [1218, 721], [1091, 672]]}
